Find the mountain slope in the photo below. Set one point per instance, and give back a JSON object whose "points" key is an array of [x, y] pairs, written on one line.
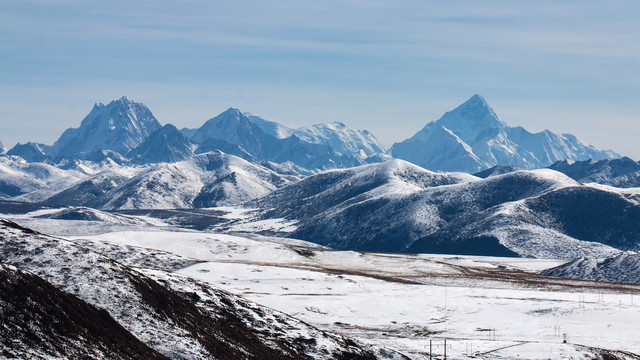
{"points": [[356, 208], [487, 141], [497, 170], [33, 181], [120, 126], [41, 321], [622, 172], [174, 315], [398, 207], [621, 268]]}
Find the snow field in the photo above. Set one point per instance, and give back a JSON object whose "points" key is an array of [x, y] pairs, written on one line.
{"points": [[404, 301]]}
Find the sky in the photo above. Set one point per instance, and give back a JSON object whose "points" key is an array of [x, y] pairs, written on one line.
{"points": [[387, 66]]}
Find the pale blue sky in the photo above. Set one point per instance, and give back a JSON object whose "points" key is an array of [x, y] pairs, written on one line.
{"points": [[386, 66]]}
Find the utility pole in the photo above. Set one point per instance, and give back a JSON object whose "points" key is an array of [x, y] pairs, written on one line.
{"points": [[445, 349], [430, 349], [445, 309]]}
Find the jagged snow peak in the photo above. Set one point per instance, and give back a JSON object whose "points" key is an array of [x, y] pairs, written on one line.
{"points": [[479, 139], [120, 126]]}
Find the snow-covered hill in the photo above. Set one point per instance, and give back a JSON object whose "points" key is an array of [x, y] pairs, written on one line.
{"points": [[403, 301], [171, 314], [396, 206], [33, 182], [472, 137], [205, 180], [120, 126], [42, 321], [86, 191], [624, 268], [622, 172]]}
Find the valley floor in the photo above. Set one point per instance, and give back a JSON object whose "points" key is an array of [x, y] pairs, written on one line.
{"points": [[489, 308]]}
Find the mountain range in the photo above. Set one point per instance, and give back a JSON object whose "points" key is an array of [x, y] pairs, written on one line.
{"points": [[469, 138], [126, 131], [472, 137], [315, 183]]}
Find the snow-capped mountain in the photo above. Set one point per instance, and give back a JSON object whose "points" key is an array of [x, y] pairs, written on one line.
{"points": [[3, 149], [166, 144], [121, 126], [173, 315], [32, 152], [624, 268], [399, 207], [472, 137], [622, 172], [318, 146]]}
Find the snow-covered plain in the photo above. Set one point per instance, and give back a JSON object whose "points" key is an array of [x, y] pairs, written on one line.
{"points": [[485, 307]]}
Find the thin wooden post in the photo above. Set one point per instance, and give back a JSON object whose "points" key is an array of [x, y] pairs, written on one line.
{"points": [[445, 349]]}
